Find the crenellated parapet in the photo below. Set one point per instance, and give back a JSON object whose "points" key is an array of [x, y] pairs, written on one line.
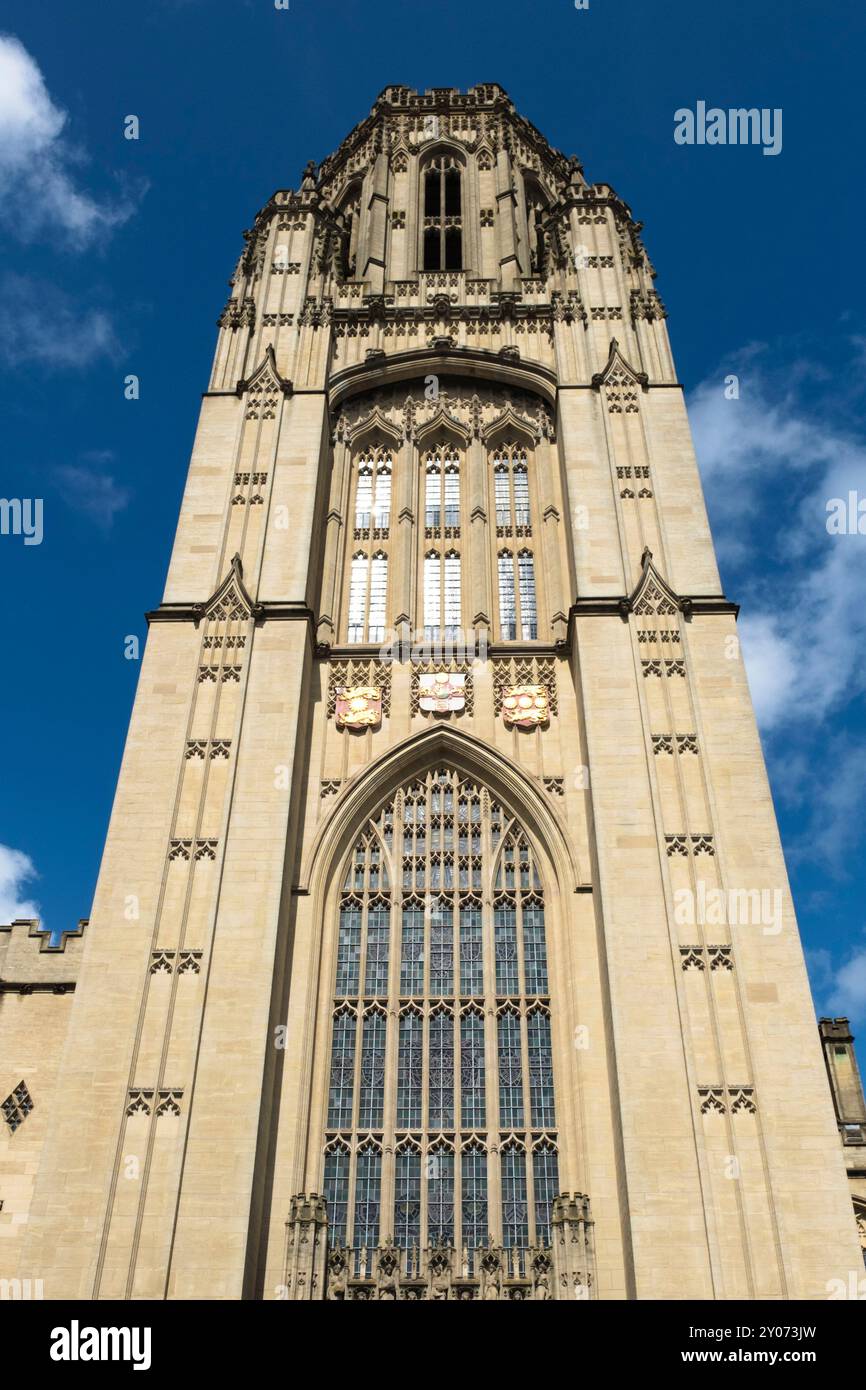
{"points": [[32, 960]]}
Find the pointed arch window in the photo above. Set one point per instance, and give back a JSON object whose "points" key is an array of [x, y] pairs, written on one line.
{"points": [[368, 1196], [407, 1197], [442, 598], [440, 1194], [368, 594], [443, 214], [373, 495], [476, 1221], [511, 490], [337, 1166], [515, 1198], [518, 608], [368, 567], [442, 494], [438, 986], [545, 1174]]}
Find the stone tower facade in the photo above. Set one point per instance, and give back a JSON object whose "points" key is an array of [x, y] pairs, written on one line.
{"points": [[442, 945]]}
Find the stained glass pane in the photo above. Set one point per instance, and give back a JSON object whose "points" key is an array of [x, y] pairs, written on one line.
{"points": [[505, 935], [471, 963], [515, 1206], [342, 1072], [440, 1197], [407, 1200], [545, 1168], [441, 1071], [472, 1107], [372, 1096], [540, 1071], [442, 949], [337, 1194], [412, 951], [368, 1184], [534, 949], [510, 1073], [378, 937], [409, 1072], [474, 1204], [349, 951]]}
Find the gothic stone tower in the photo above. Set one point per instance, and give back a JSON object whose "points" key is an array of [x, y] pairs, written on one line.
{"points": [[399, 980]]}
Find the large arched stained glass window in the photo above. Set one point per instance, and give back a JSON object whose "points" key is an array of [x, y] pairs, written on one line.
{"points": [[441, 1117]]}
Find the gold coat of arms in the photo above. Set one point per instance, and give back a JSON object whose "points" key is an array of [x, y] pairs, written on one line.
{"points": [[359, 706], [525, 705]]}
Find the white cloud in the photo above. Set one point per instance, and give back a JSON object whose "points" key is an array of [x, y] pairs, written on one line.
{"points": [[38, 193], [840, 990], [41, 324], [16, 869], [89, 490], [769, 466], [848, 995]]}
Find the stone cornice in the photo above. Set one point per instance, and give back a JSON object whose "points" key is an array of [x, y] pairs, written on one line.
{"points": [[272, 611], [613, 606], [474, 363]]}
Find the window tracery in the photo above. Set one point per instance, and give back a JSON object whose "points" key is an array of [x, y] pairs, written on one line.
{"points": [[440, 983], [443, 222]]}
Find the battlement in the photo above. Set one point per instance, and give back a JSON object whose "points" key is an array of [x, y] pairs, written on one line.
{"points": [[30, 960]]}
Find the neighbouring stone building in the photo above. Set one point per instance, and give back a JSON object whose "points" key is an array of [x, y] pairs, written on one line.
{"points": [[442, 945]]}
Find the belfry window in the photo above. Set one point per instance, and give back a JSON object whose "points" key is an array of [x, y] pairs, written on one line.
{"points": [[441, 1069], [443, 235]]}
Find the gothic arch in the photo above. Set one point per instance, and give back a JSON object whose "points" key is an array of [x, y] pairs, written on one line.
{"points": [[375, 424], [414, 756], [377, 1030], [445, 426], [509, 422]]}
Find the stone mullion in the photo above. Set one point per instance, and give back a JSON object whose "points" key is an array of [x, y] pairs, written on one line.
{"points": [[404, 547], [491, 1025], [481, 615]]}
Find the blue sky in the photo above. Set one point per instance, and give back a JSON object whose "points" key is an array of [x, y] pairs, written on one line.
{"points": [[115, 256]]}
